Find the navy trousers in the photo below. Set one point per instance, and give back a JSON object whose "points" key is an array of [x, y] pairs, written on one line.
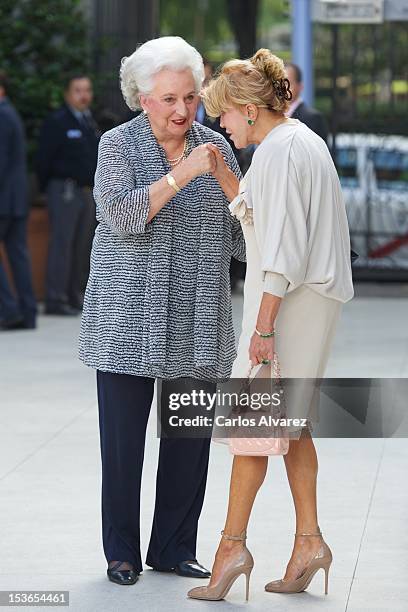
{"points": [[13, 232], [124, 406]]}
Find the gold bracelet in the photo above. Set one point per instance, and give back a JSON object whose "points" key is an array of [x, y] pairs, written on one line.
{"points": [[172, 182]]}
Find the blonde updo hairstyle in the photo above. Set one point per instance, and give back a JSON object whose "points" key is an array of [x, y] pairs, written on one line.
{"points": [[260, 80]]}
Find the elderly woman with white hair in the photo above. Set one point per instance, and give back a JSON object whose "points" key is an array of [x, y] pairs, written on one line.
{"points": [[158, 303]]}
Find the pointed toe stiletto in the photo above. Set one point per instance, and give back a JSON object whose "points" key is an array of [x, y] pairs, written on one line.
{"points": [[241, 563], [322, 560]]}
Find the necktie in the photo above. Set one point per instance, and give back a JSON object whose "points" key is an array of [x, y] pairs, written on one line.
{"points": [[89, 124]]}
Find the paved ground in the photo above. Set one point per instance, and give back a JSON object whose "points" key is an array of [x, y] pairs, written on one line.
{"points": [[50, 479]]}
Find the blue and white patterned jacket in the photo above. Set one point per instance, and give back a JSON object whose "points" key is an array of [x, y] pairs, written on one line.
{"points": [[158, 301]]}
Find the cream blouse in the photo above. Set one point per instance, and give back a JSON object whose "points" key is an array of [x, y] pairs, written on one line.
{"points": [[292, 195]]}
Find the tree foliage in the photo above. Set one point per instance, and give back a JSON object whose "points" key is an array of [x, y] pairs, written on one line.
{"points": [[203, 23], [41, 43]]}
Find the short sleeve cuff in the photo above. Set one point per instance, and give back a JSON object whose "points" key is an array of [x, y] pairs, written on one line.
{"points": [[275, 283]]}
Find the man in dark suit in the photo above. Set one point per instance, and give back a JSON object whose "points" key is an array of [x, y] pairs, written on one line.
{"points": [[66, 163], [15, 312], [299, 109]]}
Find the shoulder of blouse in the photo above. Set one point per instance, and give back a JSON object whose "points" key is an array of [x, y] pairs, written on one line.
{"points": [[292, 149]]}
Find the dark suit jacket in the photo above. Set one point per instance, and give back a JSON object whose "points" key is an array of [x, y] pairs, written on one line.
{"points": [[67, 149], [313, 119], [13, 171]]}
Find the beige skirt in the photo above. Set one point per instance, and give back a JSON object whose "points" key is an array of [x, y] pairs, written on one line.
{"points": [[305, 328]]}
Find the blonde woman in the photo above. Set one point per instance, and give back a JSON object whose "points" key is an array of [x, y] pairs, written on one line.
{"points": [[298, 276]]}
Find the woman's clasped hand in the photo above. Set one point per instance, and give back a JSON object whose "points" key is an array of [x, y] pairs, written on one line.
{"points": [[204, 158]]}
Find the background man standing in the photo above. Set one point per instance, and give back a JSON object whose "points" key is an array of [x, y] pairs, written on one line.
{"points": [[20, 312], [299, 109], [66, 164]]}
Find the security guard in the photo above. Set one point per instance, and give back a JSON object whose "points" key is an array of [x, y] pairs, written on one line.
{"points": [[66, 163]]}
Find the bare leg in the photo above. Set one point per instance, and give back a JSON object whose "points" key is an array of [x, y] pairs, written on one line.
{"points": [[247, 476], [302, 467]]}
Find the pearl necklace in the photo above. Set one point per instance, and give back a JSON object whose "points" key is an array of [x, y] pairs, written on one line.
{"points": [[174, 162]]}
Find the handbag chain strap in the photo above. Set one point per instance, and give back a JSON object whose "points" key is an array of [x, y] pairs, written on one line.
{"points": [[276, 372], [276, 368]]}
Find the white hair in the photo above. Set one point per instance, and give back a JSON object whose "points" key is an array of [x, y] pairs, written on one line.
{"points": [[171, 52]]}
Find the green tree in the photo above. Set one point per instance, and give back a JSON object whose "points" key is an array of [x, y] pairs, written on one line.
{"points": [[204, 24], [41, 43]]}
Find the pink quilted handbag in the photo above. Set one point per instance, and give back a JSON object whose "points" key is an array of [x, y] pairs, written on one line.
{"points": [[260, 446]]}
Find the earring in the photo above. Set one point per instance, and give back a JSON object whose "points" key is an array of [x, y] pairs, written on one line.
{"points": [[251, 122]]}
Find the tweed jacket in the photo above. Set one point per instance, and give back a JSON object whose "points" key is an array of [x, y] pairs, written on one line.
{"points": [[158, 302]]}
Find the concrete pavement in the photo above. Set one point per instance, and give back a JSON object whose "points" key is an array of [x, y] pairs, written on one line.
{"points": [[50, 530]]}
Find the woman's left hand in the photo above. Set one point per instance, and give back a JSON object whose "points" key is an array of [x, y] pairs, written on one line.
{"points": [[260, 349]]}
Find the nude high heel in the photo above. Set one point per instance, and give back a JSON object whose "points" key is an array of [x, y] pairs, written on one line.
{"points": [[322, 560], [241, 563]]}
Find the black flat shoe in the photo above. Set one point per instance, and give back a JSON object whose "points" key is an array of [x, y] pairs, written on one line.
{"points": [[122, 576], [61, 309], [191, 569], [15, 324]]}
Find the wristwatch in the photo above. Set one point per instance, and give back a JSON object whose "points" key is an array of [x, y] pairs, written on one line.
{"points": [[172, 182]]}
